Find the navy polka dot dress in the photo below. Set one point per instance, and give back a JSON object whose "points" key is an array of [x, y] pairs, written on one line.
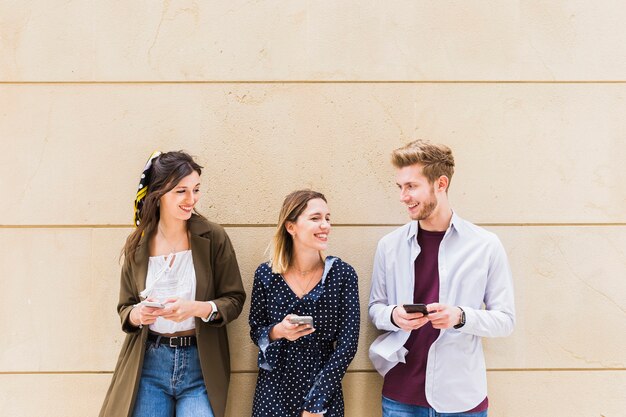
{"points": [[304, 374]]}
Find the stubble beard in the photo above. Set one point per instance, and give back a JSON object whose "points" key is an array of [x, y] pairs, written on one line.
{"points": [[428, 207]]}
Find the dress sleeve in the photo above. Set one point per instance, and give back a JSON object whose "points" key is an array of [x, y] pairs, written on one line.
{"points": [[328, 381], [260, 324]]}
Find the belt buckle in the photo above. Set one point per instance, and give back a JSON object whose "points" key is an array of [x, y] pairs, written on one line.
{"points": [[173, 339]]}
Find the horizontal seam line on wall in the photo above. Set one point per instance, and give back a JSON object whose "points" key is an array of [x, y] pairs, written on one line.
{"points": [[325, 82], [232, 225], [363, 371]]}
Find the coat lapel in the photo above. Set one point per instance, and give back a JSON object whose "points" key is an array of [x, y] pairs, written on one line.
{"points": [[200, 247], [141, 265]]}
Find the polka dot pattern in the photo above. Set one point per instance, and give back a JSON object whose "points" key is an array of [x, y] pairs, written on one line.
{"points": [[304, 374]]}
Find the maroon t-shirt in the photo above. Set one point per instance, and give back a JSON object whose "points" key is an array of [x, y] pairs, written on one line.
{"points": [[406, 382]]}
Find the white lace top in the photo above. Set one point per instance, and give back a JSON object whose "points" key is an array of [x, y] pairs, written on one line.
{"points": [[171, 276]]}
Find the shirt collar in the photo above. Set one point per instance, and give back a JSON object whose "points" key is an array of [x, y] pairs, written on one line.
{"points": [[412, 232], [456, 224]]}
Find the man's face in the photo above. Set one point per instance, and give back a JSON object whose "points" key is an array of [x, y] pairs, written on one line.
{"points": [[416, 192]]}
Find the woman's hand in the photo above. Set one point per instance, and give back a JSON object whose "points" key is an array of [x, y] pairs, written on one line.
{"points": [[307, 414], [178, 310], [287, 330], [143, 315]]}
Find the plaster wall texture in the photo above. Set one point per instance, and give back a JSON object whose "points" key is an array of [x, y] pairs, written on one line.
{"points": [[274, 96]]}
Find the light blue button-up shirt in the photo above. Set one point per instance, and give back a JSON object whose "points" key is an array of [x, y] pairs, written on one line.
{"points": [[473, 273]]}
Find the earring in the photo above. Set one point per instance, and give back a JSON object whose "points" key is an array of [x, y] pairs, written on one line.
{"points": [[158, 203]]}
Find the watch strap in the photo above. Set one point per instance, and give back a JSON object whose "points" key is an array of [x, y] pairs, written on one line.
{"points": [[213, 314], [462, 321]]}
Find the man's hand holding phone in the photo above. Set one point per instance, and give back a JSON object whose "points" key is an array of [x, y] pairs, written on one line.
{"points": [[444, 316], [408, 321]]}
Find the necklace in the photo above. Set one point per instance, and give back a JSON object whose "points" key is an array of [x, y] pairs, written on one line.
{"points": [[303, 274], [172, 247]]}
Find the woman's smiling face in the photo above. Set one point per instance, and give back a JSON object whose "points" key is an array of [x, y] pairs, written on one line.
{"points": [[178, 203], [312, 227]]}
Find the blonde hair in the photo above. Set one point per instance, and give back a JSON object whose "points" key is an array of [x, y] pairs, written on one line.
{"points": [[281, 247], [437, 160]]}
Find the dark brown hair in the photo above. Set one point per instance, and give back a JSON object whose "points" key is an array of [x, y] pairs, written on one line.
{"points": [[167, 170]]}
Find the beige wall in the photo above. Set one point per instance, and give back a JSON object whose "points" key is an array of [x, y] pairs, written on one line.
{"points": [[273, 96]]}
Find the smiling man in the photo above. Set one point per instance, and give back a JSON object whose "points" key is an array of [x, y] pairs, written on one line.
{"points": [[433, 364]]}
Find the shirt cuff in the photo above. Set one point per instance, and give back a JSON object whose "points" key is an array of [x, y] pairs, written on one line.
{"points": [[391, 317], [213, 314], [386, 323]]}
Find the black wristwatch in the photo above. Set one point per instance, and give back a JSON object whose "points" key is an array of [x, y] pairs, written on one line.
{"points": [[462, 322]]}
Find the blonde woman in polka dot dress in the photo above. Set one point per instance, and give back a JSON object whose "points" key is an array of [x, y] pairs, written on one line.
{"points": [[301, 365]]}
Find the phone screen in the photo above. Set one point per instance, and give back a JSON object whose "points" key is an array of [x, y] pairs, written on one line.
{"points": [[152, 304], [301, 320], [416, 308]]}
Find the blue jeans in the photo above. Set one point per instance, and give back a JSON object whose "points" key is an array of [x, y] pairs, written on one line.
{"points": [[171, 382], [393, 408]]}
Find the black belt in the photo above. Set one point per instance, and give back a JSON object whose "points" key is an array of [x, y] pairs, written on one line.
{"points": [[176, 341]]}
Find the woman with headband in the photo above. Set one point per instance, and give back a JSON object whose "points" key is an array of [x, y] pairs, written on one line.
{"points": [[304, 316], [180, 285]]}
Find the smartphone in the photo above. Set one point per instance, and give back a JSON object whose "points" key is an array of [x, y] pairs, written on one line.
{"points": [[301, 320], [154, 304], [416, 308]]}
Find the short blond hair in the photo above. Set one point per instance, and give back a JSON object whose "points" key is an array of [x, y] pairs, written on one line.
{"points": [[281, 248], [436, 159]]}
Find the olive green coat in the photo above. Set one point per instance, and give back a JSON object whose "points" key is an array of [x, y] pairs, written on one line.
{"points": [[218, 279]]}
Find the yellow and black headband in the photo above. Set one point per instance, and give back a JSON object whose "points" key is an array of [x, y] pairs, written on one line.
{"points": [[142, 190]]}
